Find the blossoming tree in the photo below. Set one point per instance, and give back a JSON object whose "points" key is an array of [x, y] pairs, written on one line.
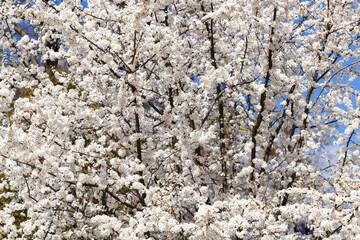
{"points": [[179, 119]]}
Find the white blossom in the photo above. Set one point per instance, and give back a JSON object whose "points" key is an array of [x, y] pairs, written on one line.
{"points": [[179, 119]]}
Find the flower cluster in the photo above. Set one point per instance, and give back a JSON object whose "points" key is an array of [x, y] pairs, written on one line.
{"points": [[179, 119]]}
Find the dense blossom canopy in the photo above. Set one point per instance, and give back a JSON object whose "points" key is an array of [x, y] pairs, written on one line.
{"points": [[179, 119]]}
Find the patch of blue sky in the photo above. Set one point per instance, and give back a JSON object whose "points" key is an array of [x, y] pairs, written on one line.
{"points": [[5, 57], [84, 4]]}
